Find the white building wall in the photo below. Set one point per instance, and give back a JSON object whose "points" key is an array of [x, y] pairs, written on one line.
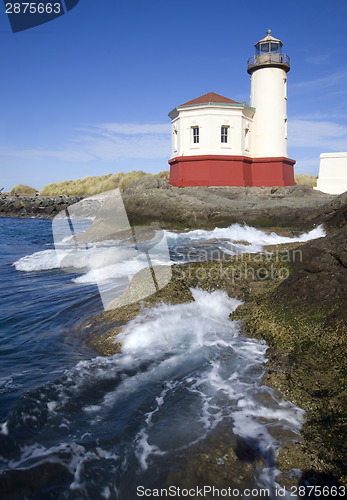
{"points": [[268, 96], [247, 132], [210, 119], [175, 137], [332, 173]]}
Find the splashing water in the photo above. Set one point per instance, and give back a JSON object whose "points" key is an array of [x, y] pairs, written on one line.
{"points": [[80, 427], [183, 370], [253, 241]]}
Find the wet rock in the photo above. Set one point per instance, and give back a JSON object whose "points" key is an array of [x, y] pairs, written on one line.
{"points": [[41, 206], [304, 321], [50, 209], [337, 213], [27, 483], [215, 462], [320, 277]]}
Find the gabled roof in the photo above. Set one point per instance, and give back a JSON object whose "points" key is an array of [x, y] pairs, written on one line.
{"points": [[210, 97]]}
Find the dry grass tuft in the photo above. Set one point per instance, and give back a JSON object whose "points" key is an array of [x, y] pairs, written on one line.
{"points": [[306, 180], [98, 184], [23, 190]]}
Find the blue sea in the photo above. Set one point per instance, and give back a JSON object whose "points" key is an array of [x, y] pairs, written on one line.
{"points": [[75, 425]]}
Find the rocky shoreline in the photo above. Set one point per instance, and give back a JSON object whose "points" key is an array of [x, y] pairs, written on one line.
{"points": [[150, 200], [35, 206], [153, 201], [306, 355], [303, 320]]}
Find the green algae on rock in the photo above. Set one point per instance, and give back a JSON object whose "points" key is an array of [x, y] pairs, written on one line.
{"points": [[304, 322], [242, 277], [304, 327]]}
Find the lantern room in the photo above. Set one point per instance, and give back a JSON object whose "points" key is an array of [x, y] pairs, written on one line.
{"points": [[268, 52]]}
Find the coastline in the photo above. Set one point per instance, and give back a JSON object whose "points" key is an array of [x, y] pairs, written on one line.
{"points": [[153, 201], [305, 359], [35, 206], [306, 335]]}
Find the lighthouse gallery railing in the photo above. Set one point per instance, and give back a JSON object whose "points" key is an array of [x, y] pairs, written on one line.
{"points": [[268, 58]]}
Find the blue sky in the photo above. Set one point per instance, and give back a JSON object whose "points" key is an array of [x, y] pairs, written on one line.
{"points": [[89, 93]]}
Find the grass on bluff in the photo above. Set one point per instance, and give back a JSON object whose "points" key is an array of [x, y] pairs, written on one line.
{"points": [[98, 184], [307, 180], [22, 190]]}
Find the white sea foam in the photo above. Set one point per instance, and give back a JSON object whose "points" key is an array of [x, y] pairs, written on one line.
{"points": [[107, 261], [156, 330], [204, 328], [192, 367], [39, 261], [7, 384], [255, 239], [74, 457], [243, 232], [4, 429]]}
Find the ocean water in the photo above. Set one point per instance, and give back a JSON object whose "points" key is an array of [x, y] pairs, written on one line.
{"points": [[74, 425]]}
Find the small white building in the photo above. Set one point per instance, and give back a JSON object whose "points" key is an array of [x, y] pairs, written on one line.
{"points": [[211, 125], [332, 173], [217, 141]]}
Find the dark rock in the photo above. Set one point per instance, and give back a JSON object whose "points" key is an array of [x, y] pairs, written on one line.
{"points": [[50, 210], [154, 200], [27, 483], [46, 202], [148, 183], [320, 278], [41, 206], [336, 212], [17, 205]]}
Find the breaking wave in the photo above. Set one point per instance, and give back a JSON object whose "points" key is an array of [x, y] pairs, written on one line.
{"points": [[184, 369], [116, 262]]}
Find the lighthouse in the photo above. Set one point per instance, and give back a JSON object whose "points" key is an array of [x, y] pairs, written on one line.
{"points": [[217, 141], [268, 69]]}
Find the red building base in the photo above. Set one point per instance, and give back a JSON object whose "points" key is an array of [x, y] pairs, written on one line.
{"points": [[218, 170]]}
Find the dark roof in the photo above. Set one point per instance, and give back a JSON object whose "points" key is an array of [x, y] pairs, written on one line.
{"points": [[210, 97]]}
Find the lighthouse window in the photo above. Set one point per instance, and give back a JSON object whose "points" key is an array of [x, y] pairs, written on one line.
{"points": [[224, 134], [196, 135], [264, 47], [274, 47]]}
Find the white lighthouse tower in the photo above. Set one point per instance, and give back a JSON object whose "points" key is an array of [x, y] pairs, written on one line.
{"points": [[268, 69]]}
